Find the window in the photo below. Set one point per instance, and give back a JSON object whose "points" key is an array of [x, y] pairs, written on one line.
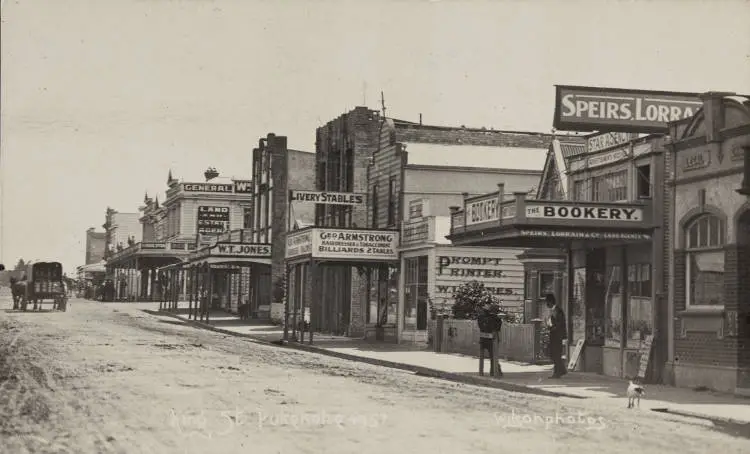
{"points": [[643, 181], [611, 187], [415, 289], [705, 261], [375, 206], [640, 305], [392, 200], [613, 329], [580, 191], [247, 218], [639, 280]]}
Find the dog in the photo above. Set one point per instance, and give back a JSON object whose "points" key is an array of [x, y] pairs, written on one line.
{"points": [[243, 310], [635, 392]]}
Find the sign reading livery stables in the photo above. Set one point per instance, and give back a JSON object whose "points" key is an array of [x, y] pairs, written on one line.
{"points": [[617, 109], [329, 198]]}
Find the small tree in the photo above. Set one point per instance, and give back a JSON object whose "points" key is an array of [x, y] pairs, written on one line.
{"points": [[469, 297], [279, 290]]}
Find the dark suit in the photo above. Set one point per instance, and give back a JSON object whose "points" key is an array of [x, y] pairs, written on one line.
{"points": [[557, 333]]}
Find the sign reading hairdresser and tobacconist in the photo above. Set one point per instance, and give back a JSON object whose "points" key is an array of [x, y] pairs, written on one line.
{"points": [[329, 198], [348, 244], [595, 213], [622, 110]]}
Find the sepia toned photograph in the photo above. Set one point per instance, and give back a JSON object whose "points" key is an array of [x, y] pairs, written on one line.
{"points": [[351, 226]]}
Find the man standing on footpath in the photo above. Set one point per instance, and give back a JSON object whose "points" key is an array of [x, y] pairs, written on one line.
{"points": [[489, 319], [557, 333]]}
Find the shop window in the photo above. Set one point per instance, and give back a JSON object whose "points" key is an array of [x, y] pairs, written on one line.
{"points": [[613, 330], [415, 288], [392, 201], [705, 262], [611, 187], [383, 296], [640, 305], [643, 181]]}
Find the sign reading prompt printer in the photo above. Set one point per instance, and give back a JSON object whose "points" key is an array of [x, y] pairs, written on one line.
{"points": [[362, 245]]}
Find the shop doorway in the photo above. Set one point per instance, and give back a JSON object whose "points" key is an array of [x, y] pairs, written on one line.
{"points": [[416, 295], [743, 273]]}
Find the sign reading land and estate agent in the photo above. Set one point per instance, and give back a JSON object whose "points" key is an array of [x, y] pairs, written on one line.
{"points": [[623, 110], [213, 219], [328, 198], [572, 211]]}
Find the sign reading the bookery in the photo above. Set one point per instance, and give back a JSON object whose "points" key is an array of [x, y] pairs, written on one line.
{"points": [[213, 219], [571, 211], [298, 244], [347, 244], [328, 198], [623, 110], [582, 235], [480, 211], [242, 250], [606, 140]]}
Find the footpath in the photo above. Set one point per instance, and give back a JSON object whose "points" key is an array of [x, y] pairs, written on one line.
{"points": [[518, 377]]}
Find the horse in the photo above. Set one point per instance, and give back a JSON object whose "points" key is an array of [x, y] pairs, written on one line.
{"points": [[18, 290]]}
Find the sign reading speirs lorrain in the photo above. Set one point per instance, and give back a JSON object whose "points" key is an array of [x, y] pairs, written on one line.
{"points": [[242, 250], [355, 244], [615, 109], [480, 211], [213, 219], [328, 198], [606, 140], [584, 235], [298, 244], [596, 213], [499, 270]]}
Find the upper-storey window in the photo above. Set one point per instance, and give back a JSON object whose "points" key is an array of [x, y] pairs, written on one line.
{"points": [[705, 238], [610, 187]]}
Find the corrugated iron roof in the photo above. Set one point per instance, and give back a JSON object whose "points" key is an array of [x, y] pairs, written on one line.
{"points": [[476, 156], [570, 150]]}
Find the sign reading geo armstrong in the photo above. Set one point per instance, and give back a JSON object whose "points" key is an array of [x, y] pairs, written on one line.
{"points": [[365, 245]]}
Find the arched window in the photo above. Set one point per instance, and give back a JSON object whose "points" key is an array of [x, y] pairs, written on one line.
{"points": [[705, 238]]}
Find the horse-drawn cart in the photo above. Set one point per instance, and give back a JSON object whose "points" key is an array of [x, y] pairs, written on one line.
{"points": [[44, 283]]}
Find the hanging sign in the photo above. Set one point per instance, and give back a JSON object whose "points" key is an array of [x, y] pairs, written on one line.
{"points": [[616, 109], [328, 198], [597, 213], [213, 219]]}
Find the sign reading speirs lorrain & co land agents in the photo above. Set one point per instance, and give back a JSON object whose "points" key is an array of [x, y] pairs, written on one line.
{"points": [[615, 109], [298, 244], [499, 270], [213, 219], [601, 213], [355, 244], [242, 250], [328, 198]]}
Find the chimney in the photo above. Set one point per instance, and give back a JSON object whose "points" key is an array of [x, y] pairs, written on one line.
{"points": [[210, 173]]}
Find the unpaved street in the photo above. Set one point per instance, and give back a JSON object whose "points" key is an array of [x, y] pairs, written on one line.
{"points": [[108, 378]]}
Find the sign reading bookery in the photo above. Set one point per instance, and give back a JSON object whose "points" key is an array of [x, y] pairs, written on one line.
{"points": [[355, 244], [242, 250], [616, 109], [213, 219], [629, 214], [298, 244], [480, 211], [329, 198]]}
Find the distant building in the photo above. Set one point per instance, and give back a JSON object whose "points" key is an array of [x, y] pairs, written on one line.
{"points": [[119, 227], [96, 242]]}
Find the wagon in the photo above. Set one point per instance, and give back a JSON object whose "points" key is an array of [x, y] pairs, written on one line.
{"points": [[45, 284]]}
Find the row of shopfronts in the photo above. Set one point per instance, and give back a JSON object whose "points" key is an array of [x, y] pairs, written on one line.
{"points": [[638, 228]]}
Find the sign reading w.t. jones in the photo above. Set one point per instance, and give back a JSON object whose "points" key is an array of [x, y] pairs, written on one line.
{"points": [[617, 109]]}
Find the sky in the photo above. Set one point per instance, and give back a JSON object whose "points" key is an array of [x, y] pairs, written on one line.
{"points": [[101, 98]]}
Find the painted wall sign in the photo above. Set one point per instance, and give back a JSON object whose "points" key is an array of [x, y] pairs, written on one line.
{"points": [[694, 160], [213, 219], [615, 109], [606, 140], [607, 158], [242, 250], [298, 244], [480, 211], [328, 198], [584, 235], [355, 244], [243, 187], [623, 213], [207, 187], [498, 269], [415, 232], [153, 246]]}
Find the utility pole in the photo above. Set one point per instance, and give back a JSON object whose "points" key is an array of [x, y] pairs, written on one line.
{"points": [[382, 102]]}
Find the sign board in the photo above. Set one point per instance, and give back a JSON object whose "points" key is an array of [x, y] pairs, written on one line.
{"points": [[608, 157], [298, 244], [243, 187], [153, 246], [584, 235], [596, 213], [599, 142], [645, 355], [207, 187], [213, 219], [576, 355], [497, 268], [622, 110], [694, 159], [480, 211], [346, 244], [241, 250], [328, 198]]}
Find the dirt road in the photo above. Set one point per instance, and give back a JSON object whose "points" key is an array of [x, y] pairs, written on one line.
{"points": [[108, 378]]}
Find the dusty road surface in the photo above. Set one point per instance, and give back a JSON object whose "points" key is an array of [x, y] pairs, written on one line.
{"points": [[108, 378]]}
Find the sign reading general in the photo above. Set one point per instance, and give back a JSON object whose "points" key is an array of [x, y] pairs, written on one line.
{"points": [[355, 244], [242, 250], [622, 110], [213, 219], [329, 198], [298, 244], [207, 187], [610, 213], [480, 211]]}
